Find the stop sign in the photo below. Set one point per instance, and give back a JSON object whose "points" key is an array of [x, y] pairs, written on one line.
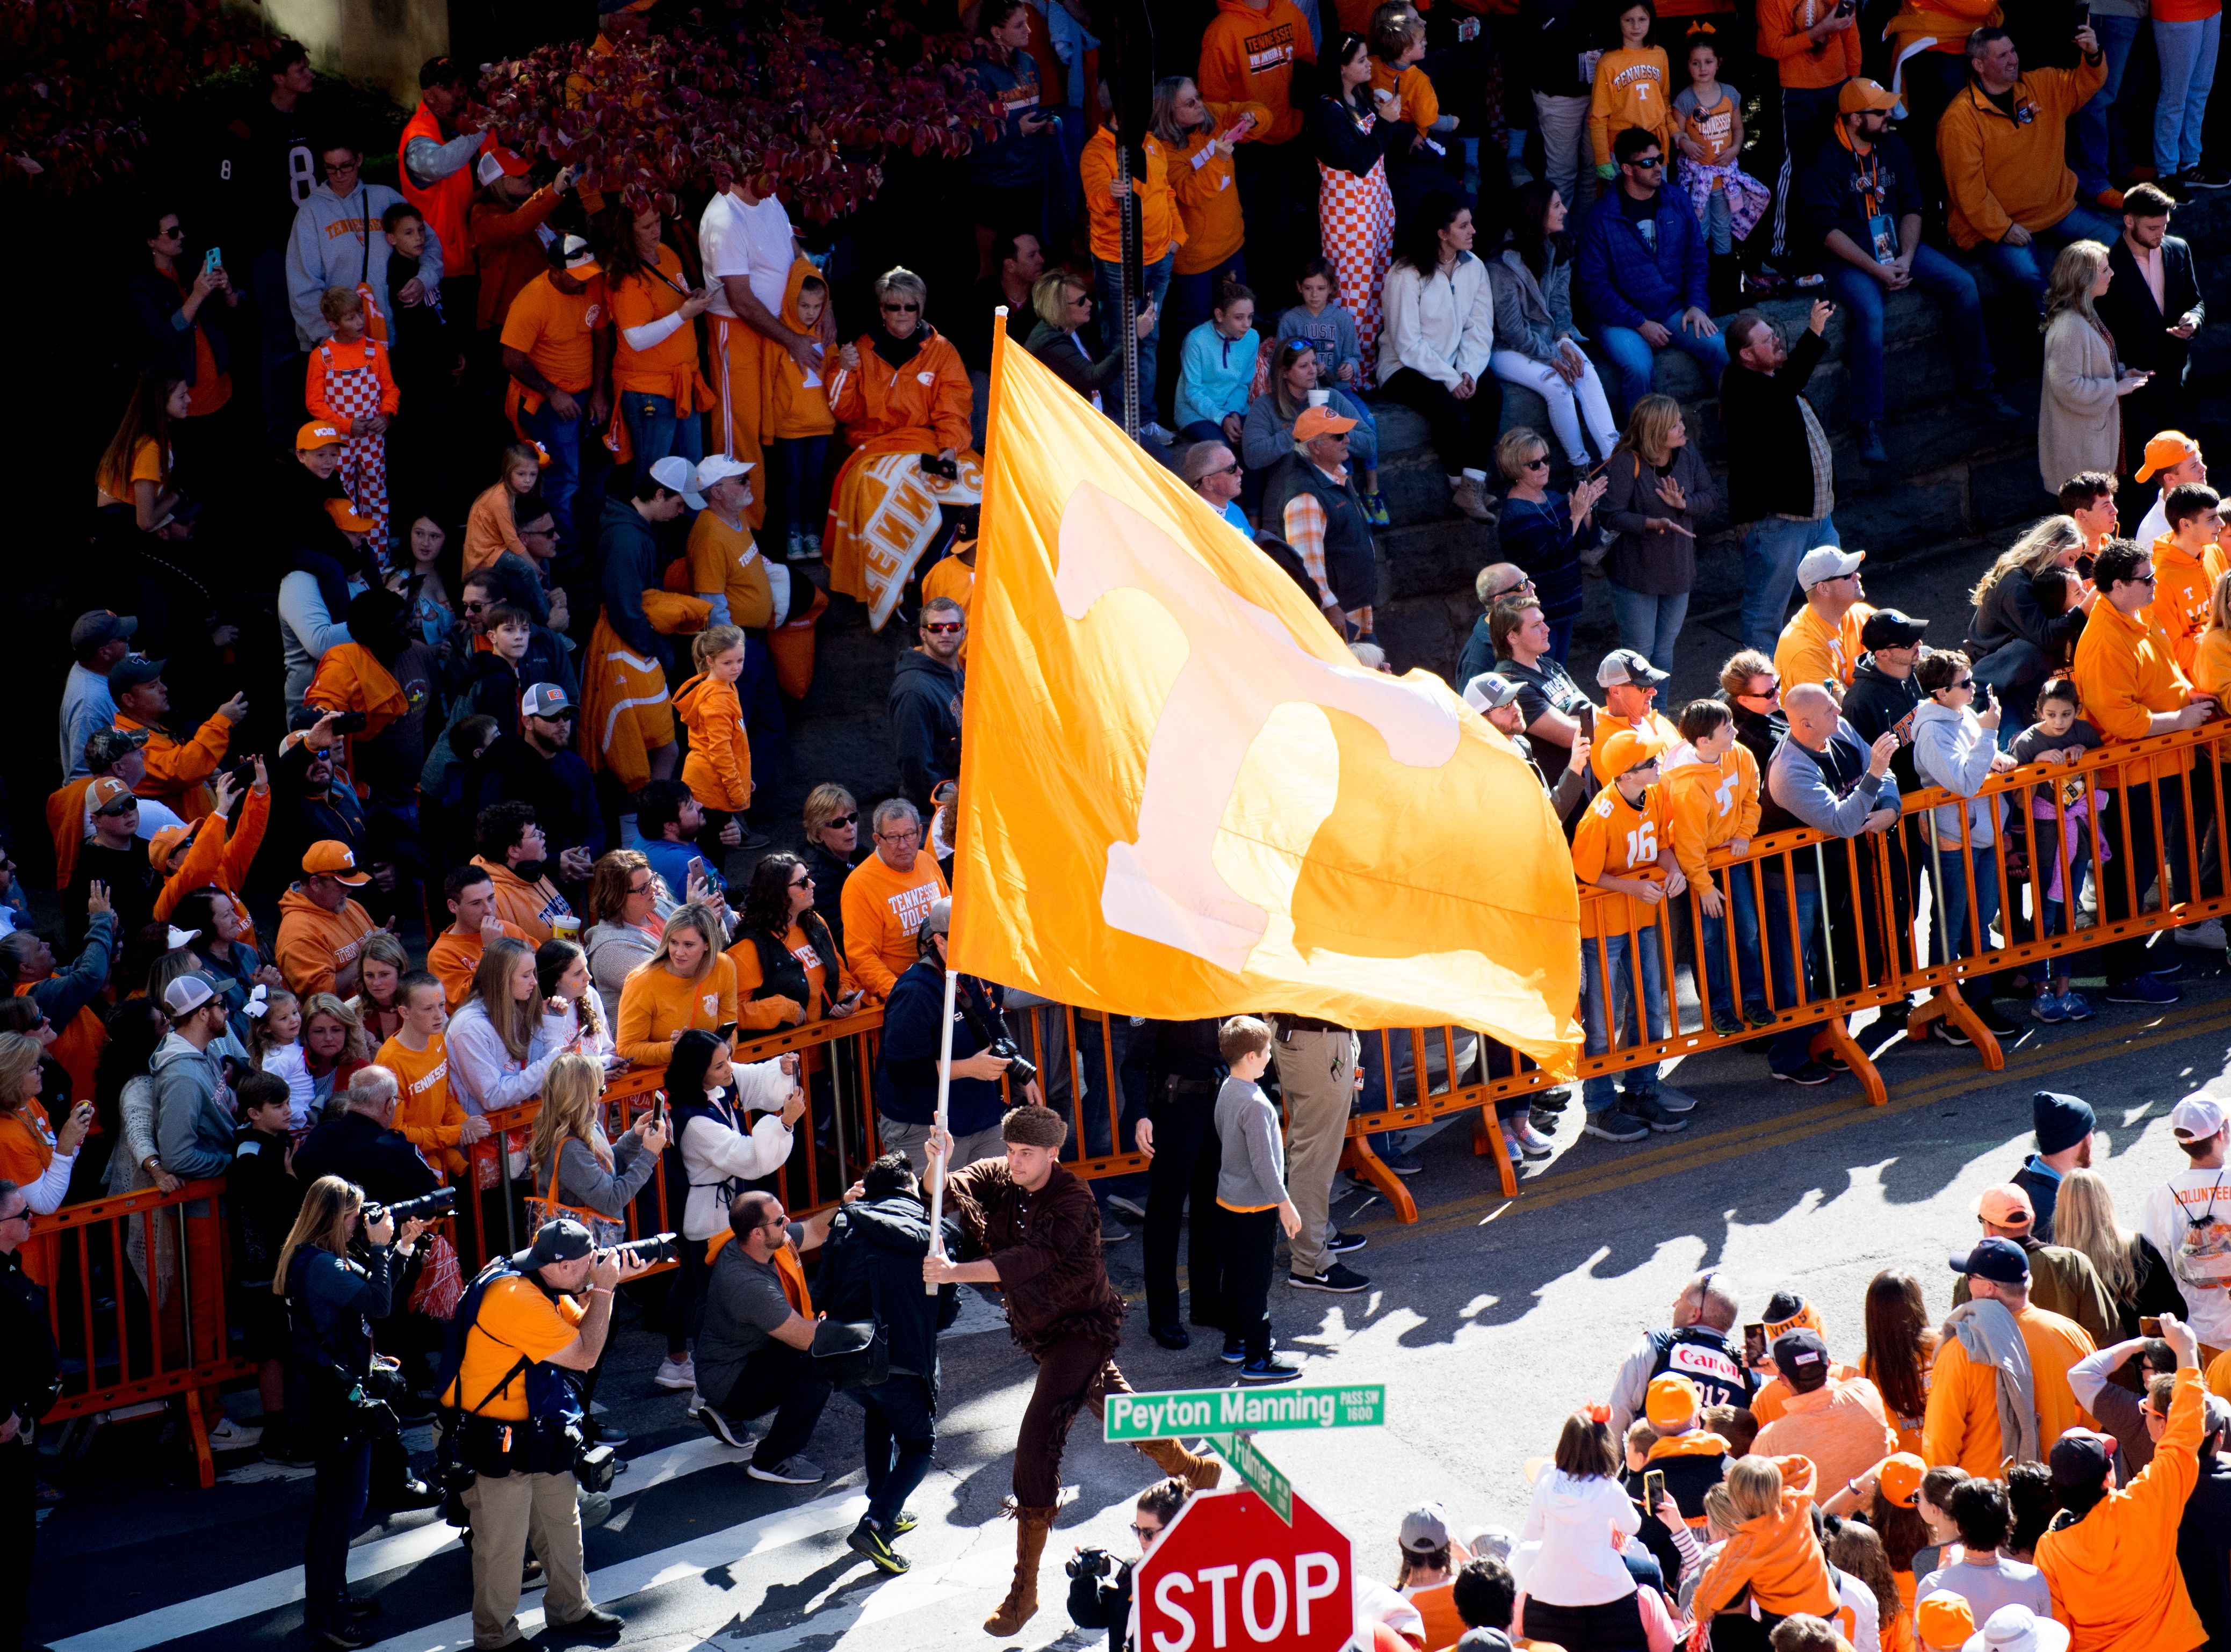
{"points": [[1229, 1575]]}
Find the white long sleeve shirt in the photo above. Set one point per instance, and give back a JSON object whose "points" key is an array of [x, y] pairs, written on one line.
{"points": [[716, 1154], [1442, 326]]}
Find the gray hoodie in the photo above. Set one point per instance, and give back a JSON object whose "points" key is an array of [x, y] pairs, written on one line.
{"points": [[337, 242], [194, 1129], [1953, 750]]}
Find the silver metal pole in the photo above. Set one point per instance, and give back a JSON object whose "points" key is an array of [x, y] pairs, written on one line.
{"points": [[1127, 322], [944, 1085], [1821, 905]]}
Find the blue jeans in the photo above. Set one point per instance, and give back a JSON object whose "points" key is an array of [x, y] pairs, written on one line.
{"points": [[1560, 641], [764, 724], [1154, 283], [1772, 549], [1648, 622], [2101, 152], [1600, 1091], [2029, 266], [655, 432], [1634, 357], [797, 462], [1791, 1050], [2187, 73], [564, 439], [1741, 906], [1862, 298], [1950, 936]]}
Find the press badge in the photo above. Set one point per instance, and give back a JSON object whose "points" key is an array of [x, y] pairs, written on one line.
{"points": [[1885, 238]]}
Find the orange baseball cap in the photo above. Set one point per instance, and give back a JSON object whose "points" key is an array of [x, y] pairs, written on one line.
{"points": [[1625, 750], [1860, 94], [105, 791], [1943, 1620], [160, 845], [331, 858], [317, 434], [2169, 448], [2006, 1206], [346, 520], [1671, 1402], [1320, 421], [1899, 1478]]}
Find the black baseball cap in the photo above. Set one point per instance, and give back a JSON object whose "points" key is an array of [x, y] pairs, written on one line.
{"points": [[133, 670], [1999, 1260], [561, 1239], [1802, 1358], [2080, 1459], [1890, 628], [100, 627]]}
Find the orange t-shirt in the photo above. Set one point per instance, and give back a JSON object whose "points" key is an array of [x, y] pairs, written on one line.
{"points": [[638, 301], [1615, 838], [427, 1113], [149, 463], [556, 331]]}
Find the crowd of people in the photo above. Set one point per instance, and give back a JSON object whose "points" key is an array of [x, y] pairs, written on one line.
{"points": [[554, 495]]}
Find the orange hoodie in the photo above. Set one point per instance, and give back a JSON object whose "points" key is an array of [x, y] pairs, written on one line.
{"points": [[2184, 585], [1781, 37], [178, 772], [2126, 670], [1247, 56], [657, 1006], [2001, 172], [350, 678], [215, 860], [718, 770], [2114, 1575], [426, 1113], [1631, 90], [314, 945], [453, 958], [527, 907], [1161, 226], [1208, 191], [1776, 1554], [1711, 805], [795, 409], [882, 909]]}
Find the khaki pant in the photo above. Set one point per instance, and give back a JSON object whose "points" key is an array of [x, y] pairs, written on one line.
{"points": [[506, 1513], [1316, 1074]]}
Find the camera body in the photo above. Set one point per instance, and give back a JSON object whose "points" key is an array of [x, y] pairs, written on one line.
{"points": [[596, 1467], [427, 1207], [1021, 1070], [650, 1249], [1090, 1563]]}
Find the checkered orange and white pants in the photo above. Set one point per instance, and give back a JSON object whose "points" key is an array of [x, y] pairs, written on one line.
{"points": [[1356, 217], [354, 392]]}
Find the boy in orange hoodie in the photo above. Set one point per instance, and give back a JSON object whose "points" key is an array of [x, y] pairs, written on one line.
{"points": [[718, 770], [2187, 565], [1711, 792], [798, 425], [351, 388]]}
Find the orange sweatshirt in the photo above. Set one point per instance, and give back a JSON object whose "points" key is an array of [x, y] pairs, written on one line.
{"points": [[718, 770], [1710, 804], [1631, 90], [2184, 587], [1208, 192], [1961, 1425], [527, 907], [657, 1006], [1416, 103], [1945, 24], [334, 356], [2114, 1574], [761, 1014], [1781, 37], [882, 909], [490, 530], [1811, 651], [2000, 171], [1776, 1554], [797, 410], [1161, 228], [314, 944], [179, 771], [1616, 839], [453, 958], [215, 860], [2210, 671], [2125, 670], [427, 1113], [1247, 56]]}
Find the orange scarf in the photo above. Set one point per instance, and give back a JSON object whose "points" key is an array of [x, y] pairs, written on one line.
{"points": [[787, 1265]]}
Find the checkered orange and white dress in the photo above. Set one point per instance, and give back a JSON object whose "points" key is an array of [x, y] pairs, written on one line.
{"points": [[1356, 217]]}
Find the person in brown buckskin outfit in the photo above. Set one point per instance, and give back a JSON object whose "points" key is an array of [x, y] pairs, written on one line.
{"points": [[1031, 1228]]}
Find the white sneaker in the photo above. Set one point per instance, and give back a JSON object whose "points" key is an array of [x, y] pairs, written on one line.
{"points": [[228, 1436], [679, 1375], [697, 1403], [1160, 435], [1521, 1135], [2208, 934]]}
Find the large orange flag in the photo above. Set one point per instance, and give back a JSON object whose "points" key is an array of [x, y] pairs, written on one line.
{"points": [[1182, 795]]}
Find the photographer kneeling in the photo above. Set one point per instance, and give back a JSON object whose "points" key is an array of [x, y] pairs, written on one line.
{"points": [[337, 1387], [512, 1421]]}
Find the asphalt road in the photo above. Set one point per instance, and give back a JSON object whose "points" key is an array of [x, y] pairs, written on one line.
{"points": [[1488, 1321]]}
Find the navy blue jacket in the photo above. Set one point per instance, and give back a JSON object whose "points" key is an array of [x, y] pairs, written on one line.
{"points": [[1622, 282], [905, 1071], [157, 306], [630, 550], [1832, 194]]}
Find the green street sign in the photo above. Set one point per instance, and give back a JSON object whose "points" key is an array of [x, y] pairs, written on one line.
{"points": [[1264, 1481], [1243, 1411]]}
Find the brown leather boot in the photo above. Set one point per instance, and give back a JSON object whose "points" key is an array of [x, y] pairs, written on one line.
{"points": [[1173, 1459], [1021, 1604]]}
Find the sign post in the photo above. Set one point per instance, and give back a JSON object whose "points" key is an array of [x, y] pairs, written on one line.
{"points": [[1229, 1575]]}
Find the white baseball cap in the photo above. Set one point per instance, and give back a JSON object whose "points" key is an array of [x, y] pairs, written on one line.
{"points": [[677, 476], [1826, 562], [187, 994], [2016, 1628], [718, 468], [2196, 1118]]}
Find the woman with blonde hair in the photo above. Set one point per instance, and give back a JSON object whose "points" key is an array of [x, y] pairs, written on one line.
{"points": [[833, 849], [491, 1038], [381, 967], [2014, 643], [685, 982], [1657, 495], [2080, 426], [334, 1047], [332, 1299], [578, 1171], [34, 1155], [2135, 1273], [628, 907]]}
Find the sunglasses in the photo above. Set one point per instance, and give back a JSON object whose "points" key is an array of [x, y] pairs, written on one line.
{"points": [[1231, 469], [801, 881], [890, 308], [944, 628], [639, 889], [128, 807], [175, 232], [840, 820], [1535, 464], [1648, 162]]}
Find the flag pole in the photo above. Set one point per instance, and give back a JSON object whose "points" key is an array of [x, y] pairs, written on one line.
{"points": [[944, 1086]]}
